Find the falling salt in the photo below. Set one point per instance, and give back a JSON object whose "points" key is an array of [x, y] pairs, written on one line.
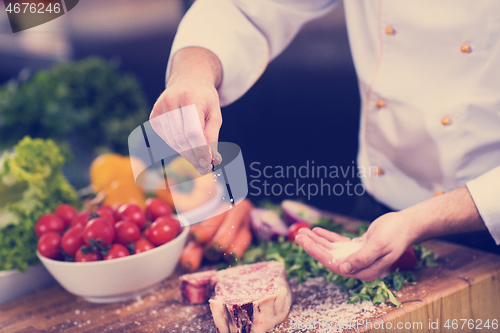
{"points": [[77, 312]]}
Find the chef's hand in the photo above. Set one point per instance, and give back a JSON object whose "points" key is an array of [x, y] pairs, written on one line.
{"points": [[195, 74], [391, 234], [384, 242]]}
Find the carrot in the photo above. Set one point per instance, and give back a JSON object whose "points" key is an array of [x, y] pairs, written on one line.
{"points": [[236, 217], [240, 244], [204, 231], [191, 256]]}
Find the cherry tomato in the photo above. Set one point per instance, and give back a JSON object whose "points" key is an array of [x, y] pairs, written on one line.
{"points": [[173, 222], [49, 222], [117, 251], [87, 256], [132, 213], [49, 245], [106, 214], [406, 262], [143, 245], [66, 212], [98, 230], [72, 240], [81, 219], [156, 208], [126, 232], [107, 208], [162, 231], [294, 229]]}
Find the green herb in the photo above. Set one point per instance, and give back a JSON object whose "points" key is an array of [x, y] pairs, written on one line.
{"points": [[84, 100], [31, 184], [301, 265]]}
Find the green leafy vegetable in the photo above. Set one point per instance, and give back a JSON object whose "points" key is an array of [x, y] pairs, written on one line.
{"points": [[87, 99], [31, 184], [301, 265]]}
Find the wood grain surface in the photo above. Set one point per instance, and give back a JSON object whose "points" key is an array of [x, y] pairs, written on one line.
{"points": [[466, 285]]}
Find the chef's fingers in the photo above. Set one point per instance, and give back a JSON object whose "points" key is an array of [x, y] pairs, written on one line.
{"points": [[315, 250], [330, 236], [166, 120], [373, 271], [174, 126], [195, 135], [318, 239], [158, 119], [213, 123], [362, 258]]}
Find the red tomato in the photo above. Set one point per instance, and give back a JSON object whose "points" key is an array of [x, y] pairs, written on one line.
{"points": [[143, 245], [174, 223], [72, 240], [108, 209], [126, 232], [87, 256], [132, 213], [162, 231], [81, 219], [49, 245], [406, 262], [49, 222], [156, 208], [106, 214], [117, 251], [294, 229], [66, 212], [98, 230]]}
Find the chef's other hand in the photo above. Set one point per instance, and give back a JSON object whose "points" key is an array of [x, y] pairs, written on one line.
{"points": [[384, 242], [195, 74]]}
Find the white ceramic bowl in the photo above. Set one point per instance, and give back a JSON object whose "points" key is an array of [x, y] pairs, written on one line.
{"points": [[119, 279]]}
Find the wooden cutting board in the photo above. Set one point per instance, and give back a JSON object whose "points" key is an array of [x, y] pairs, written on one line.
{"points": [[466, 286]]}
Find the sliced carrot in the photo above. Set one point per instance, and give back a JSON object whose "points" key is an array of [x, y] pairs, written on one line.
{"points": [[240, 244], [236, 217], [191, 256], [204, 231]]}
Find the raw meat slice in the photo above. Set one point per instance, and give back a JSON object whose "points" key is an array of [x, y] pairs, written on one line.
{"points": [[197, 288], [250, 298]]}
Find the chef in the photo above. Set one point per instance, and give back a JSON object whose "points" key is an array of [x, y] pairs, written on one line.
{"points": [[429, 78]]}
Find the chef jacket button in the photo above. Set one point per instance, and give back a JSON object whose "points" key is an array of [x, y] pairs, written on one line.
{"points": [[379, 171], [438, 192], [380, 103], [389, 31], [465, 48], [445, 121]]}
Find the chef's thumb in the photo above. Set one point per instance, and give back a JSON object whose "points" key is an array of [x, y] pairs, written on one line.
{"points": [[212, 128], [360, 260]]}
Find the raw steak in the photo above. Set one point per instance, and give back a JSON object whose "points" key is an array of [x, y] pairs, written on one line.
{"points": [[250, 298], [197, 288]]}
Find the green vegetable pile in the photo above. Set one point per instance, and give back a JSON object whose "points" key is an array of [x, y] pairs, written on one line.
{"points": [[86, 99], [31, 184], [301, 265]]}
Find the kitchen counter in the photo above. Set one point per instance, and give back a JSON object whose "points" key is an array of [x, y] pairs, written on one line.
{"points": [[464, 290]]}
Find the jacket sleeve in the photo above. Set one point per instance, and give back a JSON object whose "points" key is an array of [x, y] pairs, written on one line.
{"points": [[485, 191], [245, 35]]}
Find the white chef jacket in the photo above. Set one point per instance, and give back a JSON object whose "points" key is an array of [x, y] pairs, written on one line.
{"points": [[429, 77]]}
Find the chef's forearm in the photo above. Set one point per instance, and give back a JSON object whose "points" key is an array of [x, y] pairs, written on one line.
{"points": [[450, 213], [195, 63]]}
